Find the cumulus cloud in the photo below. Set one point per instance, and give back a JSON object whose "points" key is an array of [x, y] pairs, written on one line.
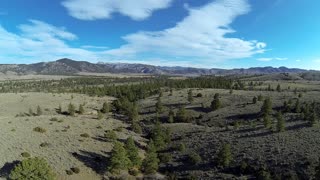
{"points": [[272, 59], [103, 9], [37, 41], [201, 35]]}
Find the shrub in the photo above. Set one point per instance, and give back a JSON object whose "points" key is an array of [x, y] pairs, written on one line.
{"points": [[32, 168], [194, 158], [39, 111], [111, 135], [225, 156], [39, 130], [100, 115], [71, 109], [69, 172], [25, 155], [199, 95], [165, 157], [105, 107], [136, 128], [81, 109], [75, 170], [85, 135]]}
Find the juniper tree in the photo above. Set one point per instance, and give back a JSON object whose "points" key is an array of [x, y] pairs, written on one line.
{"points": [[39, 111], [133, 153], [278, 88], [267, 121], [171, 116], [151, 161], [254, 100], [280, 122], [159, 106], [81, 109], [119, 158], [215, 104], [105, 108], [71, 109], [190, 96], [225, 156], [266, 107]]}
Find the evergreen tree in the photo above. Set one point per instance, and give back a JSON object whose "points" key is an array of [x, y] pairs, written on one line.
{"points": [[297, 108], [267, 121], [254, 100], [81, 109], [171, 116], [159, 106], [278, 88], [313, 119], [151, 161], [105, 108], [280, 122], [133, 153], [39, 111], [190, 96], [182, 115], [71, 109], [225, 156], [133, 112], [266, 107], [215, 104], [119, 158], [100, 115]]}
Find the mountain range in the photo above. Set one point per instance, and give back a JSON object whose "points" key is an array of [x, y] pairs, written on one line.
{"points": [[72, 67]]}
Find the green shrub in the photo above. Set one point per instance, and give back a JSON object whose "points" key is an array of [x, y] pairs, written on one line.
{"points": [[39, 130], [69, 172], [111, 135], [25, 155], [85, 135], [75, 170], [32, 168], [194, 158]]}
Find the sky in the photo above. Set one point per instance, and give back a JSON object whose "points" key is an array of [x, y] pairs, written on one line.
{"points": [[196, 33]]}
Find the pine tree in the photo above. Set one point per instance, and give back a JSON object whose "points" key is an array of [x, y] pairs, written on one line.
{"points": [[254, 100], [182, 115], [297, 108], [133, 153], [215, 104], [151, 161], [39, 111], [190, 96], [266, 107], [225, 156], [171, 116], [71, 109], [81, 109], [119, 158], [278, 88], [267, 121], [280, 122], [105, 108], [133, 112], [159, 106], [100, 115]]}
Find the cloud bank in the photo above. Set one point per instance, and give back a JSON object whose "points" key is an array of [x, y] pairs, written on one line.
{"points": [[104, 9]]}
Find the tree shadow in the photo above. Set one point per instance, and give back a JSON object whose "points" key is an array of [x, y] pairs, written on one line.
{"points": [[250, 116], [7, 168], [260, 134], [298, 126], [200, 109], [97, 162]]}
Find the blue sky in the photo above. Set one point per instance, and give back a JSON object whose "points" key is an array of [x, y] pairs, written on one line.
{"points": [[198, 33]]}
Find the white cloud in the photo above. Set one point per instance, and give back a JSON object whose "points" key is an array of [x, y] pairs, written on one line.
{"points": [[201, 36], [103, 9], [298, 60], [39, 41], [272, 59]]}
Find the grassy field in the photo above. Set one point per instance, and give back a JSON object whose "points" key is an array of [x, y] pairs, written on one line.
{"points": [[63, 145]]}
